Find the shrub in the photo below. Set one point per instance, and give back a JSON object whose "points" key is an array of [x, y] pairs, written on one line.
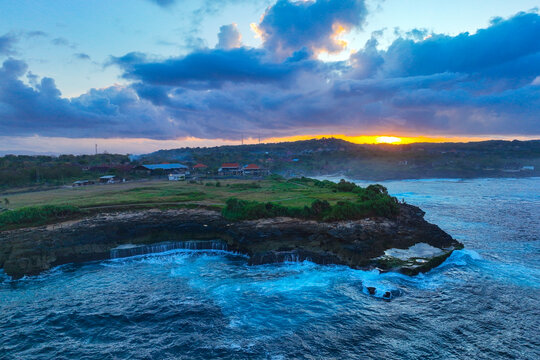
{"points": [[377, 189], [318, 208], [323, 184], [36, 215], [236, 209], [345, 186], [346, 210], [372, 201]]}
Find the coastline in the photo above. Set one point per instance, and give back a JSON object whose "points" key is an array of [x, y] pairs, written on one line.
{"points": [[359, 244]]}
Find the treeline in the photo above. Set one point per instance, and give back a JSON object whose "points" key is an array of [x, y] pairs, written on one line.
{"points": [[372, 201], [22, 170]]}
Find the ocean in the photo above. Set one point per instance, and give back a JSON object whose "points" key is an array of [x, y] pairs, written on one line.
{"points": [[481, 303]]}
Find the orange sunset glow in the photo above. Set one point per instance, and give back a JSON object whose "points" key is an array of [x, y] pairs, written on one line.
{"points": [[383, 139]]}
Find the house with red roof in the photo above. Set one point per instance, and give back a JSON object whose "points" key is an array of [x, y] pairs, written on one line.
{"points": [[230, 169], [254, 170], [200, 168]]}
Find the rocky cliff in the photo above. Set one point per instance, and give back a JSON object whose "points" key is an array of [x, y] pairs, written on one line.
{"points": [[363, 243]]}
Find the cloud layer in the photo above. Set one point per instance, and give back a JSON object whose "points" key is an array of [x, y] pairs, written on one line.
{"points": [[470, 84]]}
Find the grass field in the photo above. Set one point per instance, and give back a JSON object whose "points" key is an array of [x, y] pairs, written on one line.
{"points": [[169, 193], [238, 199]]}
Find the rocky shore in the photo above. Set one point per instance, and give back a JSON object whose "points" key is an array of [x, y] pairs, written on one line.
{"points": [[366, 243]]}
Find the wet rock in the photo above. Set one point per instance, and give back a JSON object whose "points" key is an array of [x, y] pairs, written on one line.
{"points": [[371, 290]]}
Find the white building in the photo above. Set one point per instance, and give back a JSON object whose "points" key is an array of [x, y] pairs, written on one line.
{"points": [[177, 177]]}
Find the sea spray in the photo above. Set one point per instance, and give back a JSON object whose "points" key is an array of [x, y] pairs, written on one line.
{"points": [[129, 250]]}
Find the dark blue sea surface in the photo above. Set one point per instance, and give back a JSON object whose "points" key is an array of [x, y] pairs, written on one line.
{"points": [[482, 303]]}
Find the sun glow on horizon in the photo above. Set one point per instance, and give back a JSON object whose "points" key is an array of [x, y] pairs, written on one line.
{"points": [[388, 140], [392, 139]]}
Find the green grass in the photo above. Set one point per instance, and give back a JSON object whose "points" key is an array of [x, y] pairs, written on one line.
{"points": [[293, 197], [36, 215], [371, 201]]}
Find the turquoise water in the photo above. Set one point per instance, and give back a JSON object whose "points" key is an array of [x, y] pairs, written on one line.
{"points": [[483, 302]]}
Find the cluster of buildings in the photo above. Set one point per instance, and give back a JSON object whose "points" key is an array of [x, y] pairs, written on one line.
{"points": [[178, 172], [234, 169]]}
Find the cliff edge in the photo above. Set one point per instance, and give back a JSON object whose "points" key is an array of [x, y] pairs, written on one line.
{"points": [[406, 243]]}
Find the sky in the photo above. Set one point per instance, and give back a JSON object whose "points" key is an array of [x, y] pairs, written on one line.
{"points": [[140, 75]]}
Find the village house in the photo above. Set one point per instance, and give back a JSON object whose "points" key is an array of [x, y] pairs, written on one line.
{"points": [[177, 177], [82, 183], [108, 179], [200, 168], [253, 170], [230, 169], [160, 169]]}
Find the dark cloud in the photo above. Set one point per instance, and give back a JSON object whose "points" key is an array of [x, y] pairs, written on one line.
{"points": [[503, 41], [110, 112], [82, 56], [288, 26], [482, 83], [229, 37], [209, 68], [7, 44]]}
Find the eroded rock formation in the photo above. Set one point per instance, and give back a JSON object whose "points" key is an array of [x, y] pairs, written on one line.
{"points": [[358, 244]]}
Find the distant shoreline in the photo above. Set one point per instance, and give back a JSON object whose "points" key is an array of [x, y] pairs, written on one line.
{"points": [[456, 179]]}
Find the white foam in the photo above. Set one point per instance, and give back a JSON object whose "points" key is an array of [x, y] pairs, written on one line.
{"points": [[420, 250]]}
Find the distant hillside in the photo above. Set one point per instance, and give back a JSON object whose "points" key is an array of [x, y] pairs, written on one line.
{"points": [[291, 159], [339, 157]]}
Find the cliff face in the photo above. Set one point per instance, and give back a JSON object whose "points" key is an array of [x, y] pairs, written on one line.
{"points": [[359, 244]]}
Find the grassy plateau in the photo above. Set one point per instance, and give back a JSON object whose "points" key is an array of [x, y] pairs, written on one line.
{"points": [[237, 199]]}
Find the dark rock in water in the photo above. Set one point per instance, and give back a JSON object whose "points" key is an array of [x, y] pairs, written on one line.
{"points": [[371, 290], [358, 244], [387, 295]]}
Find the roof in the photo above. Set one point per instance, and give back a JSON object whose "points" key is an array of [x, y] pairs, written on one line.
{"points": [[108, 177], [229, 165], [200, 166], [164, 166], [251, 167]]}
